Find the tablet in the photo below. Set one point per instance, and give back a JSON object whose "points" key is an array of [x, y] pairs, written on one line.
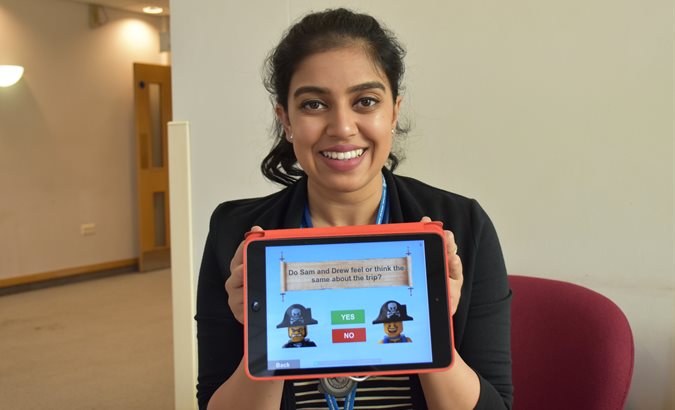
{"points": [[346, 301]]}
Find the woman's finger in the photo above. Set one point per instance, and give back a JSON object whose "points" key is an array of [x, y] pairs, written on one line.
{"points": [[455, 273], [235, 283], [238, 258], [455, 265]]}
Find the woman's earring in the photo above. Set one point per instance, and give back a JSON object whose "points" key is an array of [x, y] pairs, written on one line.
{"points": [[290, 138], [393, 130]]}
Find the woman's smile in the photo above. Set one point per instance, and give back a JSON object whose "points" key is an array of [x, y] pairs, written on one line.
{"points": [[343, 155], [343, 158]]}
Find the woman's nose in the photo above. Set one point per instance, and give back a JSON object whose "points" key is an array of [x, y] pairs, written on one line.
{"points": [[342, 122]]}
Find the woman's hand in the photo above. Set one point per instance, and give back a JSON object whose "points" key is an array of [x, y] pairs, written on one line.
{"points": [[454, 268], [234, 285]]}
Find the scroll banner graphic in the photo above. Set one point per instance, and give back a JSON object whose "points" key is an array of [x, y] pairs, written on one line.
{"points": [[357, 273]]}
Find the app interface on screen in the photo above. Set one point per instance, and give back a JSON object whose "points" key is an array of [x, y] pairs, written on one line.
{"points": [[353, 304]]}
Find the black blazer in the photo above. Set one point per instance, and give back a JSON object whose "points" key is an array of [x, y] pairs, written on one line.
{"points": [[481, 323]]}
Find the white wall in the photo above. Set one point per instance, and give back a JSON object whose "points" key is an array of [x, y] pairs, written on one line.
{"points": [[67, 150], [556, 116]]}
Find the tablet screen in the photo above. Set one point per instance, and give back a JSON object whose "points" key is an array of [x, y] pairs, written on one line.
{"points": [[349, 306]]}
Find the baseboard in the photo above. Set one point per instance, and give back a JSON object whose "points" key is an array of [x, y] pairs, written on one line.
{"points": [[69, 273]]}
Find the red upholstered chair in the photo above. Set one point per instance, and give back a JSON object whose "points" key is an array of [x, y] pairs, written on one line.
{"points": [[572, 348]]}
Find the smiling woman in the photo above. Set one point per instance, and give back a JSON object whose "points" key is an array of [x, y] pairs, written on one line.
{"points": [[340, 114], [335, 79]]}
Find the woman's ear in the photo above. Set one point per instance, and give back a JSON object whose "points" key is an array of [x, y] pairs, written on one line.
{"points": [[397, 108], [282, 116]]}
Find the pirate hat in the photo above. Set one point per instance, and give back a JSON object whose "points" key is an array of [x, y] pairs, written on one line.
{"points": [[392, 311], [297, 315]]}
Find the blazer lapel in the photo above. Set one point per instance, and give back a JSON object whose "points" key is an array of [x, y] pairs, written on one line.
{"points": [[403, 206], [287, 209]]}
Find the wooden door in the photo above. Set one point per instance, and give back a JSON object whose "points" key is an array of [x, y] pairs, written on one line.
{"points": [[152, 84]]}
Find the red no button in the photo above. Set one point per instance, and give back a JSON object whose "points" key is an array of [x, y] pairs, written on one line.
{"points": [[349, 335]]}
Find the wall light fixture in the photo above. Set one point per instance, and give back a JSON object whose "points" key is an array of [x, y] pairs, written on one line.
{"points": [[10, 74]]}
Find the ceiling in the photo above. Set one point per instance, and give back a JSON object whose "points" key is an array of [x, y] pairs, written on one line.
{"points": [[130, 5]]}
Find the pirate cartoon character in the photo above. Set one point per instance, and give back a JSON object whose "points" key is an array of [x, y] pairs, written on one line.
{"points": [[392, 315], [296, 319]]}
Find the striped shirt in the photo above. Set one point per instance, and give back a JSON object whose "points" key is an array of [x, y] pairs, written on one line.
{"points": [[377, 392]]}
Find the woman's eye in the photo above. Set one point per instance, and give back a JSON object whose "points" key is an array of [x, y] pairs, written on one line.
{"points": [[367, 102], [312, 105]]}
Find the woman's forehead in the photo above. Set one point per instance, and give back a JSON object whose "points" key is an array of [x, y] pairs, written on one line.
{"points": [[339, 70]]}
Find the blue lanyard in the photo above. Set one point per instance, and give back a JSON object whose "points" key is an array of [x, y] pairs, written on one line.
{"points": [[382, 211], [349, 400]]}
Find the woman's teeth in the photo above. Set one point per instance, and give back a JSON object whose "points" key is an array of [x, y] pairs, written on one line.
{"points": [[343, 155]]}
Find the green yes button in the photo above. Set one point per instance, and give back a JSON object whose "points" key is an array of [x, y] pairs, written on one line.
{"points": [[343, 317]]}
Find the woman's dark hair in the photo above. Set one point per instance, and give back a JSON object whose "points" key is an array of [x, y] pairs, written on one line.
{"points": [[318, 32]]}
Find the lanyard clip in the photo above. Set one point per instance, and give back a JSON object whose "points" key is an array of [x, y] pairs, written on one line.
{"points": [[337, 386]]}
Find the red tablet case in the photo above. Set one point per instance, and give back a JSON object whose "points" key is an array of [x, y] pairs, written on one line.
{"points": [[335, 232]]}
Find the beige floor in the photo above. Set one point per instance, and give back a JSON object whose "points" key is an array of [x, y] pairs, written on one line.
{"points": [[98, 344]]}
